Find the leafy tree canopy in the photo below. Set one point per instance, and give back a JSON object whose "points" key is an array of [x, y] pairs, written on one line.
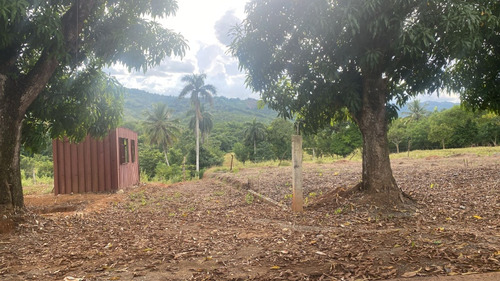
{"points": [[81, 37], [477, 77], [318, 58], [296, 50], [58, 47]]}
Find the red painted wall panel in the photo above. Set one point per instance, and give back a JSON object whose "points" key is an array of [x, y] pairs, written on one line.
{"points": [[87, 165], [74, 167], [67, 168], [93, 165], [81, 168]]}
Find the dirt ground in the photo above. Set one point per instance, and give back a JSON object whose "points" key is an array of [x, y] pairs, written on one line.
{"points": [[214, 229]]}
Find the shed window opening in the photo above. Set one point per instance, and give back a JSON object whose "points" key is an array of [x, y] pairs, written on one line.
{"points": [[124, 152], [132, 151]]}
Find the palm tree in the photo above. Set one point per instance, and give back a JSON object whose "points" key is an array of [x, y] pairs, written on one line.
{"points": [[160, 128], [417, 110], [206, 123], [195, 85], [416, 113], [254, 132]]}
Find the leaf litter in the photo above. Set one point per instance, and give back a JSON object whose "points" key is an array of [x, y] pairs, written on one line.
{"points": [[209, 230]]}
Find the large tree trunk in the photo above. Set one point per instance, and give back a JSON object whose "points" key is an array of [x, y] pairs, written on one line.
{"points": [[17, 93], [165, 152], [197, 132], [377, 178], [11, 191]]}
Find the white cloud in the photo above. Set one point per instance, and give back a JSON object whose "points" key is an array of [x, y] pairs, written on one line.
{"points": [[442, 96], [204, 24], [224, 26]]}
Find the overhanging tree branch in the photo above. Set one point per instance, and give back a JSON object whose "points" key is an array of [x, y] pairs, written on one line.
{"points": [[35, 81]]}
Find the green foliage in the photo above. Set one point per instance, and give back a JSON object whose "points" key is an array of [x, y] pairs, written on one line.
{"points": [[279, 135], [176, 156], [398, 132], [241, 152], [172, 173], [476, 77], [311, 57], [489, 129], [208, 157], [149, 158], [417, 132], [254, 133], [342, 139], [346, 139], [79, 98], [454, 127], [37, 164], [224, 110], [205, 123], [264, 152], [160, 129], [198, 90], [465, 134], [249, 198], [416, 111], [89, 102], [441, 133]]}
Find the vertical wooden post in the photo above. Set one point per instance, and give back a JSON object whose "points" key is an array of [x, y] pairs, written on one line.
{"points": [[230, 169], [184, 169], [298, 196]]}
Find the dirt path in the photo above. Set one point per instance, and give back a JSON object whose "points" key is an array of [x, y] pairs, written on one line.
{"points": [[210, 230]]}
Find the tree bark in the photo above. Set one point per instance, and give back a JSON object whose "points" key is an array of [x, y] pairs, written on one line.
{"points": [[17, 93], [409, 146], [377, 175], [197, 132], [11, 191], [165, 152]]}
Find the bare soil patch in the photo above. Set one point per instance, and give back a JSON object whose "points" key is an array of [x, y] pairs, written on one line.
{"points": [[214, 229]]}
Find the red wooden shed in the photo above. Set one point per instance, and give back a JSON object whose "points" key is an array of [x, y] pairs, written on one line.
{"points": [[96, 165]]}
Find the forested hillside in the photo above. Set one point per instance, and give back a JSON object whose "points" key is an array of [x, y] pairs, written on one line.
{"points": [[429, 106], [223, 110]]}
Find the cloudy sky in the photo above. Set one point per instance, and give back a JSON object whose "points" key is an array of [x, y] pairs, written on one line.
{"points": [[205, 25]]}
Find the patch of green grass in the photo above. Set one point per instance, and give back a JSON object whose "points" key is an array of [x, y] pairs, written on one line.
{"points": [[312, 194], [219, 193], [42, 185], [38, 189], [249, 198], [356, 156], [479, 151]]}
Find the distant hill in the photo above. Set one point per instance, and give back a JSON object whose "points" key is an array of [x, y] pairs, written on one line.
{"points": [[223, 110], [430, 106]]}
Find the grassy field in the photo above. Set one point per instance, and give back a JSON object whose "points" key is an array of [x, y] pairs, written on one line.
{"points": [[45, 185], [479, 151], [414, 154]]}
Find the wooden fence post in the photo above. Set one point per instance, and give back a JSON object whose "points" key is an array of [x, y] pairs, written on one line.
{"points": [[298, 196], [232, 156]]}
